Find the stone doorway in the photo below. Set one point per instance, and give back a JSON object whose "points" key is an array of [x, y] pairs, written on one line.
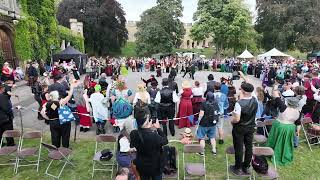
{"points": [[6, 47]]}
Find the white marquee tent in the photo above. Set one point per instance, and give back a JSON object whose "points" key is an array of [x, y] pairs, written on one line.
{"points": [[273, 53], [246, 55]]}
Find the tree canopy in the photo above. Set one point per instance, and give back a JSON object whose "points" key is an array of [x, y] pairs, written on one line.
{"points": [[288, 24], [160, 29], [104, 23], [227, 21]]}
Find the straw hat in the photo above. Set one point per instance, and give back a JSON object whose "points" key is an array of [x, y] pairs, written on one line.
{"points": [[141, 87], [186, 84], [188, 132]]}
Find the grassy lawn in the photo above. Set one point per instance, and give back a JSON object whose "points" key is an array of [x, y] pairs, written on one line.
{"points": [[129, 50], [305, 166]]}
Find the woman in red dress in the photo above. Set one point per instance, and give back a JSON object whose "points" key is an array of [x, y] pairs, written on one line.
{"points": [[185, 107]]}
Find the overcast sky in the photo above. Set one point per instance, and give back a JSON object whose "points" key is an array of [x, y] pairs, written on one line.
{"points": [[134, 8]]}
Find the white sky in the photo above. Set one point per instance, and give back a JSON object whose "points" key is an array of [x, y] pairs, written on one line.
{"points": [[134, 8]]}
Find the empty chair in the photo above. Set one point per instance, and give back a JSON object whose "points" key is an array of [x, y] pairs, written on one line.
{"points": [[9, 152], [192, 170], [57, 154], [109, 165], [272, 171], [24, 153]]}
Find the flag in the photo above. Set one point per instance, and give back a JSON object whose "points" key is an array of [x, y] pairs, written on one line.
{"points": [[191, 118]]}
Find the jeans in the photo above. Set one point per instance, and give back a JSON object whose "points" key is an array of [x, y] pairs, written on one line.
{"points": [[242, 135]]}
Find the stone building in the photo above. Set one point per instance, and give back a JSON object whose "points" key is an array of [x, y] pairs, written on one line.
{"points": [[9, 15], [187, 42]]}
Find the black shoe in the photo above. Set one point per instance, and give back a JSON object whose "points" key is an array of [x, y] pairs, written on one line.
{"points": [[40, 118], [201, 153], [246, 171], [86, 129], [81, 129], [221, 141], [235, 171]]}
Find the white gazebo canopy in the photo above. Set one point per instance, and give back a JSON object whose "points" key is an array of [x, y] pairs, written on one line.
{"points": [[273, 53], [246, 55]]}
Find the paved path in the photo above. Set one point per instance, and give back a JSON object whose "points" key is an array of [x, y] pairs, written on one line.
{"points": [[30, 120]]}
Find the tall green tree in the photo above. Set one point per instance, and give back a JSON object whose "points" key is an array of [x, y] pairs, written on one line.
{"points": [[104, 23], [160, 29], [288, 24], [227, 21]]}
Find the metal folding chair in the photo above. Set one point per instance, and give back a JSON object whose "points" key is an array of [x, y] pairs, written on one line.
{"points": [[58, 154], [104, 139], [230, 151], [193, 170], [272, 171], [175, 175], [29, 152], [309, 134], [9, 152]]}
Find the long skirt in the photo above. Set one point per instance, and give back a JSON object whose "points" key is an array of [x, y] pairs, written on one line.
{"points": [[281, 141], [85, 121], [185, 109], [196, 105]]}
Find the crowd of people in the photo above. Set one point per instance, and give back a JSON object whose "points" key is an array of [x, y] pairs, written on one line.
{"points": [[289, 92]]}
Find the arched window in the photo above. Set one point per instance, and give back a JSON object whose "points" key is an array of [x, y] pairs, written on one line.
{"points": [[192, 44], [204, 43], [188, 43], [198, 43]]}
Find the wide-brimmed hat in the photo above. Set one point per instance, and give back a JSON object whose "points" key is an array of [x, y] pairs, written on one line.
{"points": [[293, 102], [188, 132], [186, 84]]}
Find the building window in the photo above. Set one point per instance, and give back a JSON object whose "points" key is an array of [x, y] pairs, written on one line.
{"points": [[192, 44], [204, 43], [188, 43], [198, 43]]}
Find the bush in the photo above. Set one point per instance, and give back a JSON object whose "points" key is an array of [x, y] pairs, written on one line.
{"points": [[75, 40]]}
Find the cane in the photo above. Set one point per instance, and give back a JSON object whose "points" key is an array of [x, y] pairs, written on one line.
{"points": [[75, 131], [20, 113]]}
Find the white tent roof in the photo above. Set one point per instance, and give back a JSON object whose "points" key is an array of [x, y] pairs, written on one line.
{"points": [[274, 53], [246, 55]]}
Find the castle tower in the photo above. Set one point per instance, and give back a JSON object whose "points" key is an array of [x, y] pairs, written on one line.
{"points": [[76, 26]]}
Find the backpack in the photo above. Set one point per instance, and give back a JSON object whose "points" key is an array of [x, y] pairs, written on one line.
{"points": [[260, 164], [121, 108], [140, 109], [169, 157]]}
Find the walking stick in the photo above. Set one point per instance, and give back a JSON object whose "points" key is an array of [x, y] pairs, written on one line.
{"points": [[20, 113], [75, 131]]}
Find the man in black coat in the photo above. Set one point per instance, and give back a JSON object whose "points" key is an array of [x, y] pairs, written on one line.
{"points": [[6, 122]]}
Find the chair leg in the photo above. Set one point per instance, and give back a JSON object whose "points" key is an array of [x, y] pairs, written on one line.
{"points": [[228, 177], [17, 165], [65, 163], [48, 168], [93, 168]]}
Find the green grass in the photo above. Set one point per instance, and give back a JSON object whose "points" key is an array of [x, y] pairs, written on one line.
{"points": [[306, 164], [129, 50]]}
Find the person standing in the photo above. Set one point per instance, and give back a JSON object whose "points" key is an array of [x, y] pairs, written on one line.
{"points": [[197, 93], [208, 118], [210, 84], [243, 122], [223, 103], [153, 106], [59, 132], [185, 107], [6, 121], [167, 98], [33, 74], [148, 140]]}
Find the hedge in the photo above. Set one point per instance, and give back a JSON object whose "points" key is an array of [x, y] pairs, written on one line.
{"points": [[77, 41], [39, 29]]}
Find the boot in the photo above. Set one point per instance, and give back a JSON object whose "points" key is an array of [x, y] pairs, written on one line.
{"points": [[98, 130]]}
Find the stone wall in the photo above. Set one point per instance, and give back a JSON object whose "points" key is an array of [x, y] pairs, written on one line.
{"points": [[187, 42]]}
